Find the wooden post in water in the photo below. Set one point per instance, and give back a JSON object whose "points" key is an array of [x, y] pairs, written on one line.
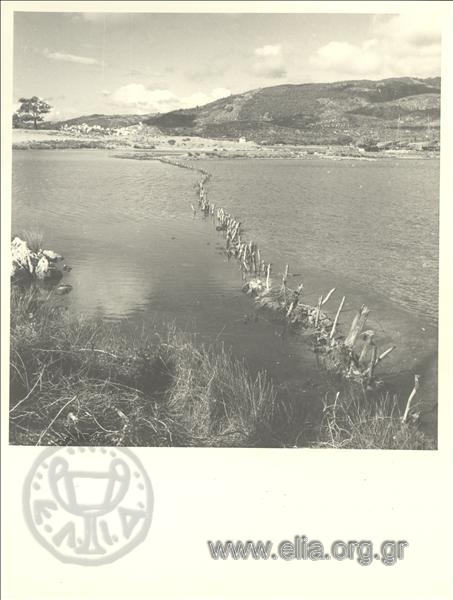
{"points": [[334, 326], [373, 360], [384, 354], [318, 310], [285, 278], [357, 326], [326, 298], [411, 397], [268, 276], [368, 337]]}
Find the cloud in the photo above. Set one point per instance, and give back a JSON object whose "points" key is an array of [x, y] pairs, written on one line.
{"points": [[269, 62], [347, 58], [417, 29], [269, 50], [72, 58], [401, 45], [138, 98]]}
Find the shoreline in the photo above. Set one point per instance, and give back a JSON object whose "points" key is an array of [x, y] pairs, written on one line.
{"points": [[352, 360], [350, 400], [192, 147]]}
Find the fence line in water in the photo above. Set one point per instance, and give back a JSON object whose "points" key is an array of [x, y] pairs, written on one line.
{"points": [[354, 356]]}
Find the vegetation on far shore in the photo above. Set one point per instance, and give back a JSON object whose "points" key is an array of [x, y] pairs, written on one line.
{"points": [[64, 144], [81, 382]]}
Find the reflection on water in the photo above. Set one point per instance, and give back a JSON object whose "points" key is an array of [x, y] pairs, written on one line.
{"points": [[140, 257]]}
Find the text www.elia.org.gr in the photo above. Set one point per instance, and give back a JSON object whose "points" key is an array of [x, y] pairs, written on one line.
{"points": [[301, 548]]}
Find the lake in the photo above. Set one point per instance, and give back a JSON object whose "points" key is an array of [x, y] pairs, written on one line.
{"points": [[141, 258]]}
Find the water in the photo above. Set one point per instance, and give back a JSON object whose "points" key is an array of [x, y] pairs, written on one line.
{"points": [[373, 223], [140, 258]]}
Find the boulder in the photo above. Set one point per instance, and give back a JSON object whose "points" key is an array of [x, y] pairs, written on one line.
{"points": [[45, 269], [52, 256], [26, 263], [63, 289], [23, 260]]}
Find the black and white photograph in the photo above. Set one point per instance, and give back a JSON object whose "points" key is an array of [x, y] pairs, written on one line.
{"points": [[226, 300], [225, 229]]}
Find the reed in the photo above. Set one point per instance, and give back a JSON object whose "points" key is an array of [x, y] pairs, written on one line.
{"points": [[73, 382], [355, 421], [343, 355], [78, 382], [33, 238]]}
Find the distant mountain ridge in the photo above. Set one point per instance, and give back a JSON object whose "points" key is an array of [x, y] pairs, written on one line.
{"points": [[106, 121], [398, 109], [340, 112]]}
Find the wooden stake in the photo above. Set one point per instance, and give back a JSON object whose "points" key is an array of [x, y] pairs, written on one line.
{"points": [[328, 296], [357, 326], [386, 353], [372, 361], [334, 326], [409, 401], [368, 335], [285, 277], [318, 310], [290, 310]]}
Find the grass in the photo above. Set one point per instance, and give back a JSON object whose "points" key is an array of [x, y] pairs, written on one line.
{"points": [[354, 420], [33, 238], [78, 381], [66, 144]]}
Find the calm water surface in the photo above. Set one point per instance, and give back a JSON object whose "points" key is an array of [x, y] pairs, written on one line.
{"points": [[140, 258]]}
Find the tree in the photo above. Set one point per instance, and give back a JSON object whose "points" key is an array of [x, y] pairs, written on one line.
{"points": [[31, 109], [16, 121]]}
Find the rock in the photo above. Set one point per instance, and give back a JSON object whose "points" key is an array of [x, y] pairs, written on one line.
{"points": [[52, 256], [25, 262], [63, 289], [46, 269]]}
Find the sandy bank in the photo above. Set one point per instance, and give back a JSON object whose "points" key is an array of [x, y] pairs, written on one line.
{"points": [[195, 147]]}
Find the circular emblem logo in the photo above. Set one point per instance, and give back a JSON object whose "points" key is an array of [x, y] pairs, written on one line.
{"points": [[88, 506]]}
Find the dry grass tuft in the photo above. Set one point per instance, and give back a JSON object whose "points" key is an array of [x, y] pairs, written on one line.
{"points": [[78, 382], [354, 420]]}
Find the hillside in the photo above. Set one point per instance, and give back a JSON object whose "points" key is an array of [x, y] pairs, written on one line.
{"points": [[106, 121], [405, 109]]}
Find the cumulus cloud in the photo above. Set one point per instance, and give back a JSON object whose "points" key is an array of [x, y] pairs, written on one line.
{"points": [[348, 58], [72, 58], [402, 45], [418, 29], [269, 62], [138, 98], [269, 50]]}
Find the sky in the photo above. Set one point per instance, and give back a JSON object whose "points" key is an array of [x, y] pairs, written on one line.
{"points": [[121, 63]]}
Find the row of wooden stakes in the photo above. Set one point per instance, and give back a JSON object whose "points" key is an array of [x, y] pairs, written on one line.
{"points": [[355, 355]]}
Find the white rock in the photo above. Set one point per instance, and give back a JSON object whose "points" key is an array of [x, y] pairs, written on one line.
{"points": [[45, 269], [51, 255], [26, 262], [22, 258]]}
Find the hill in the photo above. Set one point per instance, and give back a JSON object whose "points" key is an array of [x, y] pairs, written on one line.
{"points": [[106, 121], [398, 109]]}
